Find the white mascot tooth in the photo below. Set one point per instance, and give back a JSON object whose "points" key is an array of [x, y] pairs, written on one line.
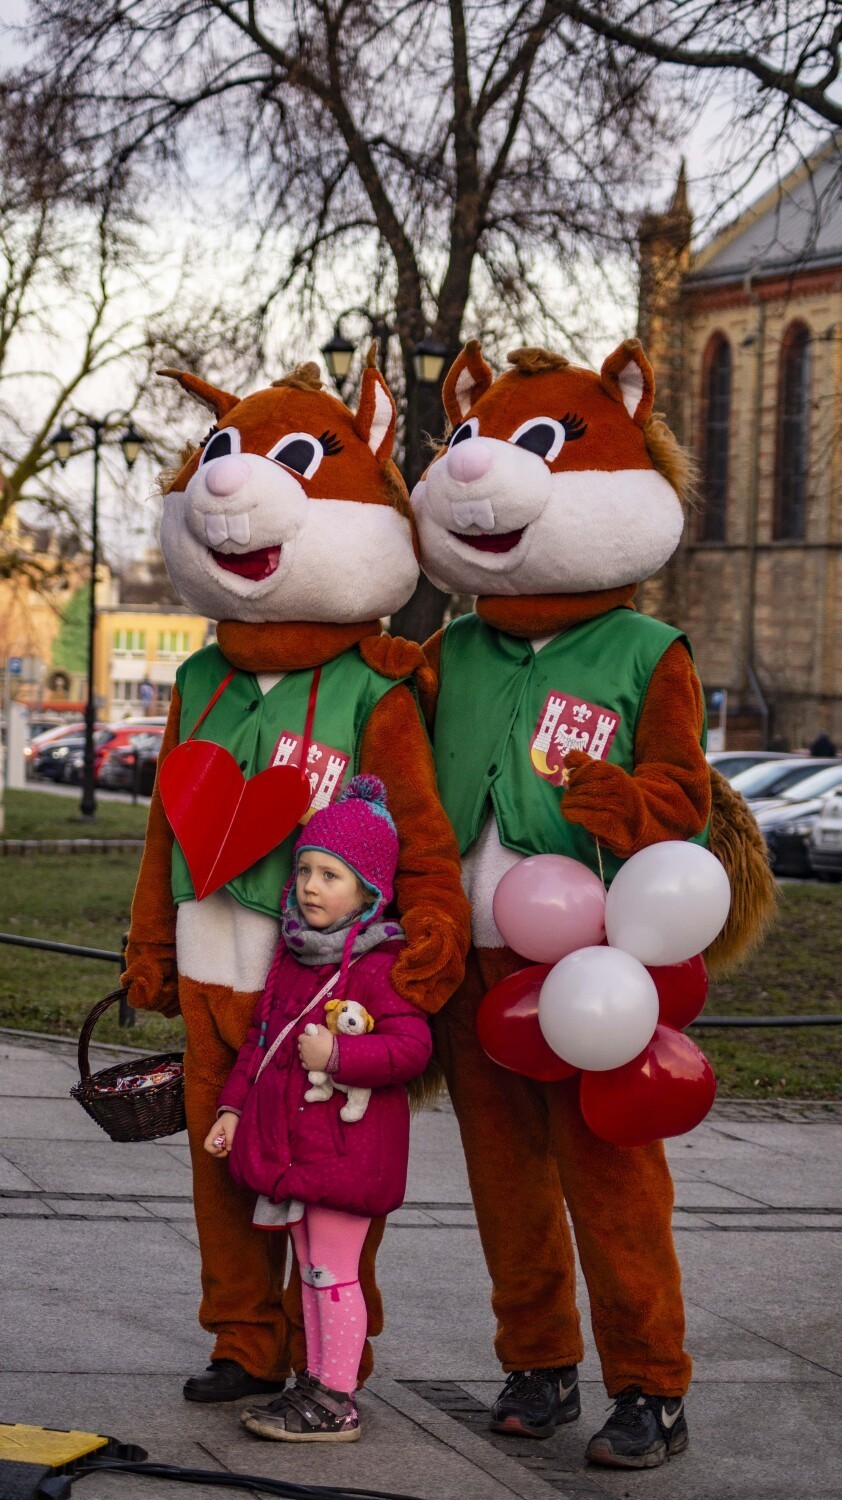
{"points": [[216, 530], [473, 513], [239, 528]]}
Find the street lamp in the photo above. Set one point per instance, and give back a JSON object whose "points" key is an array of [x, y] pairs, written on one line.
{"points": [[428, 359], [62, 443], [338, 353]]}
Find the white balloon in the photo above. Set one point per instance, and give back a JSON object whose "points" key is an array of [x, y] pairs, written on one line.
{"points": [[598, 1008], [667, 903]]}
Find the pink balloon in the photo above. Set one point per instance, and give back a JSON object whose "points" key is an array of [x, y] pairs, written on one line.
{"points": [[548, 906]]}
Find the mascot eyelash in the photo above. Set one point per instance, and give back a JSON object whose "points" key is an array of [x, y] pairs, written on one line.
{"points": [[573, 426], [330, 443]]}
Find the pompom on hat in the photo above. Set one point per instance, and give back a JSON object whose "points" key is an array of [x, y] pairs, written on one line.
{"points": [[358, 828]]}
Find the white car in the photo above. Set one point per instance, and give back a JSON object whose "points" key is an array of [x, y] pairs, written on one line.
{"points": [[824, 850], [731, 762]]}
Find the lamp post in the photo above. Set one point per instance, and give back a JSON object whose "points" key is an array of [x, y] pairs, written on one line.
{"points": [[424, 369], [62, 442]]}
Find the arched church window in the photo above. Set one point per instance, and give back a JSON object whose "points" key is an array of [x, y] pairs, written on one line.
{"points": [[715, 435], [793, 443]]}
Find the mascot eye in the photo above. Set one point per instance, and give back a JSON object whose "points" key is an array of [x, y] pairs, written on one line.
{"points": [[220, 444], [299, 452], [541, 435], [465, 430]]}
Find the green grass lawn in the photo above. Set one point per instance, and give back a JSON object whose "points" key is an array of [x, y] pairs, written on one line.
{"points": [[796, 972], [42, 815], [85, 898], [77, 898]]}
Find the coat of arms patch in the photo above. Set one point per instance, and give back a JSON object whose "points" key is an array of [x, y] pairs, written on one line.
{"points": [[570, 724]]}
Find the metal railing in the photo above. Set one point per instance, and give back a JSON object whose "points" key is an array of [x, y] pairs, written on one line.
{"points": [[126, 1015]]}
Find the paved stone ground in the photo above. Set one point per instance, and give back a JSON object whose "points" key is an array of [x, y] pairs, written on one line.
{"points": [[97, 1245]]}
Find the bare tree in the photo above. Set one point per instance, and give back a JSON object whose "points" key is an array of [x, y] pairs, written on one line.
{"points": [[786, 55], [88, 309], [463, 155]]}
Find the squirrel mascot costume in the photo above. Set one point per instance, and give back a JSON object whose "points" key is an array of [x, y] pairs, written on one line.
{"points": [[557, 493], [291, 527]]}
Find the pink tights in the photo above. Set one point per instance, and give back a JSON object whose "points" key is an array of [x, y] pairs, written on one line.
{"points": [[328, 1245]]}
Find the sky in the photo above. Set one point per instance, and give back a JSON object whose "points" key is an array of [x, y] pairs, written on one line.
{"points": [[129, 511]]}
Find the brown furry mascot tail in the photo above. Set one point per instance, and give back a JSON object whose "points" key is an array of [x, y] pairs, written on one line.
{"points": [[737, 842]]}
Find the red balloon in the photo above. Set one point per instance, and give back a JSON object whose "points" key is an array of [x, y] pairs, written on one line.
{"points": [[682, 991], [665, 1091], [507, 1026]]}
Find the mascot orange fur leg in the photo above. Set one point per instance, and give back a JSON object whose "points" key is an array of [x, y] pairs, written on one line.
{"points": [[504, 1124], [528, 1152]]}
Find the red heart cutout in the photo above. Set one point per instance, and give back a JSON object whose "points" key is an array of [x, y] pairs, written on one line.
{"points": [[224, 823]]}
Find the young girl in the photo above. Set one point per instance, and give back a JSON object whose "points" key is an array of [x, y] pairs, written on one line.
{"points": [[320, 1177]]}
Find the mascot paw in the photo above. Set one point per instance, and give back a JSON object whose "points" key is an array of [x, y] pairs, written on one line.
{"points": [[152, 984], [433, 961], [597, 796]]}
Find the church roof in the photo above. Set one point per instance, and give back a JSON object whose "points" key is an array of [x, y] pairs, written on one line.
{"points": [[795, 226]]}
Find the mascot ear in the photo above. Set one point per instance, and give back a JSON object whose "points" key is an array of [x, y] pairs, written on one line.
{"points": [[466, 380], [220, 402], [627, 376], [333, 1005], [369, 1022], [376, 415]]}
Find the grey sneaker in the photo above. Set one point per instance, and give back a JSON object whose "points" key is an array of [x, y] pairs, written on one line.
{"points": [[309, 1412]]}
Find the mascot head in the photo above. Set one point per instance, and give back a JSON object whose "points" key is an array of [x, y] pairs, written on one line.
{"points": [[554, 481], [291, 509]]}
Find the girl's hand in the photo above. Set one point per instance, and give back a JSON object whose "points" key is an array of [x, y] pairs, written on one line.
{"points": [[220, 1137], [314, 1048]]}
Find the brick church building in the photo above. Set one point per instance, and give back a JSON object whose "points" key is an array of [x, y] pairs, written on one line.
{"points": [[746, 338]]}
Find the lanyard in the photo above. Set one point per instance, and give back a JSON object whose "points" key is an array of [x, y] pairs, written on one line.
{"points": [[308, 722]]}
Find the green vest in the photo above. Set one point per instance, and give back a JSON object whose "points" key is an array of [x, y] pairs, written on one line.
{"points": [[249, 725], [504, 709]]}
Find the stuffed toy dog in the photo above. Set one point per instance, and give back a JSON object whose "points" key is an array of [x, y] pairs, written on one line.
{"points": [[342, 1018]]}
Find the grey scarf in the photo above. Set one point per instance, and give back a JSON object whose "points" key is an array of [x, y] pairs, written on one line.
{"points": [[326, 945]]}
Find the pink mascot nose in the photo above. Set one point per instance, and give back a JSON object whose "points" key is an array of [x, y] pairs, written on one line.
{"points": [[468, 460], [226, 475]]}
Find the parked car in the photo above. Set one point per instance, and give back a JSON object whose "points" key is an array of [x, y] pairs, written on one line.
{"points": [[788, 823], [52, 736], [50, 762], [824, 851], [731, 762], [131, 767], [770, 778]]}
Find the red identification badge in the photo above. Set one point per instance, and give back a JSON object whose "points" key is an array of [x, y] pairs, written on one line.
{"points": [[325, 768], [570, 724]]}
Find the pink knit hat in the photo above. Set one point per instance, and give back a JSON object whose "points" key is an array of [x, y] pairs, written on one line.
{"points": [[358, 829]]}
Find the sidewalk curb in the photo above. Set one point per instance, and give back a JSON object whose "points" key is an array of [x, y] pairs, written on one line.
{"points": [[498, 1466], [12, 847]]}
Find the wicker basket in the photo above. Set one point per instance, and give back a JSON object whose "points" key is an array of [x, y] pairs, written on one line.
{"points": [[136, 1114]]}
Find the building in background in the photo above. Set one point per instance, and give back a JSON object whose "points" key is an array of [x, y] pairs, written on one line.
{"points": [[142, 638], [745, 336]]}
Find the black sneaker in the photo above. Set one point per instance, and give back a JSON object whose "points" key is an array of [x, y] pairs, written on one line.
{"points": [[641, 1433], [533, 1403], [226, 1380]]}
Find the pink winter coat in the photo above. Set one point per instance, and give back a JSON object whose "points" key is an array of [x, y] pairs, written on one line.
{"points": [[285, 1148]]}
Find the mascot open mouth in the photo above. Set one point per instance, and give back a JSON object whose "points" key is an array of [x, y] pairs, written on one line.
{"points": [[256, 565], [503, 541]]}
